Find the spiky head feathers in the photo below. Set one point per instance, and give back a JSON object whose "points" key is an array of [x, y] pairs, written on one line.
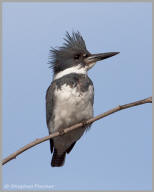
{"points": [[71, 53]]}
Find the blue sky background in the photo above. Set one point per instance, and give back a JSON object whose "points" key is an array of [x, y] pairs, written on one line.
{"points": [[116, 154]]}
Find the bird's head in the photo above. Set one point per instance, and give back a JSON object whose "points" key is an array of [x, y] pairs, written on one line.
{"points": [[73, 56]]}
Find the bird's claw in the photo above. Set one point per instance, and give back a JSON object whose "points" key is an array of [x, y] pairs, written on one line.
{"points": [[84, 123], [61, 132]]}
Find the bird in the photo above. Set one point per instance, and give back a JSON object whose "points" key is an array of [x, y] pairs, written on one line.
{"points": [[70, 96]]}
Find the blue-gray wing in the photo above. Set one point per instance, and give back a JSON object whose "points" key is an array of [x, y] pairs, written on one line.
{"points": [[49, 108], [49, 103]]}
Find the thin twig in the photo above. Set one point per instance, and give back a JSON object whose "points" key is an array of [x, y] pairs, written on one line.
{"points": [[40, 140]]}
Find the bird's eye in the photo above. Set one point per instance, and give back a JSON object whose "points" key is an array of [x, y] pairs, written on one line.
{"points": [[85, 55], [76, 57]]}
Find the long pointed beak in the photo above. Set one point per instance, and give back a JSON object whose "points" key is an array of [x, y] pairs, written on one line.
{"points": [[98, 57]]}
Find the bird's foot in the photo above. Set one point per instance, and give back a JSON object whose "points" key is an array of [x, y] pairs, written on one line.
{"points": [[61, 132], [84, 123]]}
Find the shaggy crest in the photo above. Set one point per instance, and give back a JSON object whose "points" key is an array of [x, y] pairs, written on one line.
{"points": [[73, 45]]}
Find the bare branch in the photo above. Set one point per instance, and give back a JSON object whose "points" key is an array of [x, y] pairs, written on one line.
{"points": [[40, 140]]}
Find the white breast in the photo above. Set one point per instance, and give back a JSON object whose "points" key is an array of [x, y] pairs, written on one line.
{"points": [[72, 106]]}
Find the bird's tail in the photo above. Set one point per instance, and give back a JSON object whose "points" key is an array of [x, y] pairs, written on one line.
{"points": [[58, 160]]}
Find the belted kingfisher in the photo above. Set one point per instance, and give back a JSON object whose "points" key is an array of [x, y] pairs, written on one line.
{"points": [[70, 97]]}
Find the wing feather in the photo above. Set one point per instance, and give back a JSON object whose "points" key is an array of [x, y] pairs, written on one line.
{"points": [[49, 103], [49, 109]]}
